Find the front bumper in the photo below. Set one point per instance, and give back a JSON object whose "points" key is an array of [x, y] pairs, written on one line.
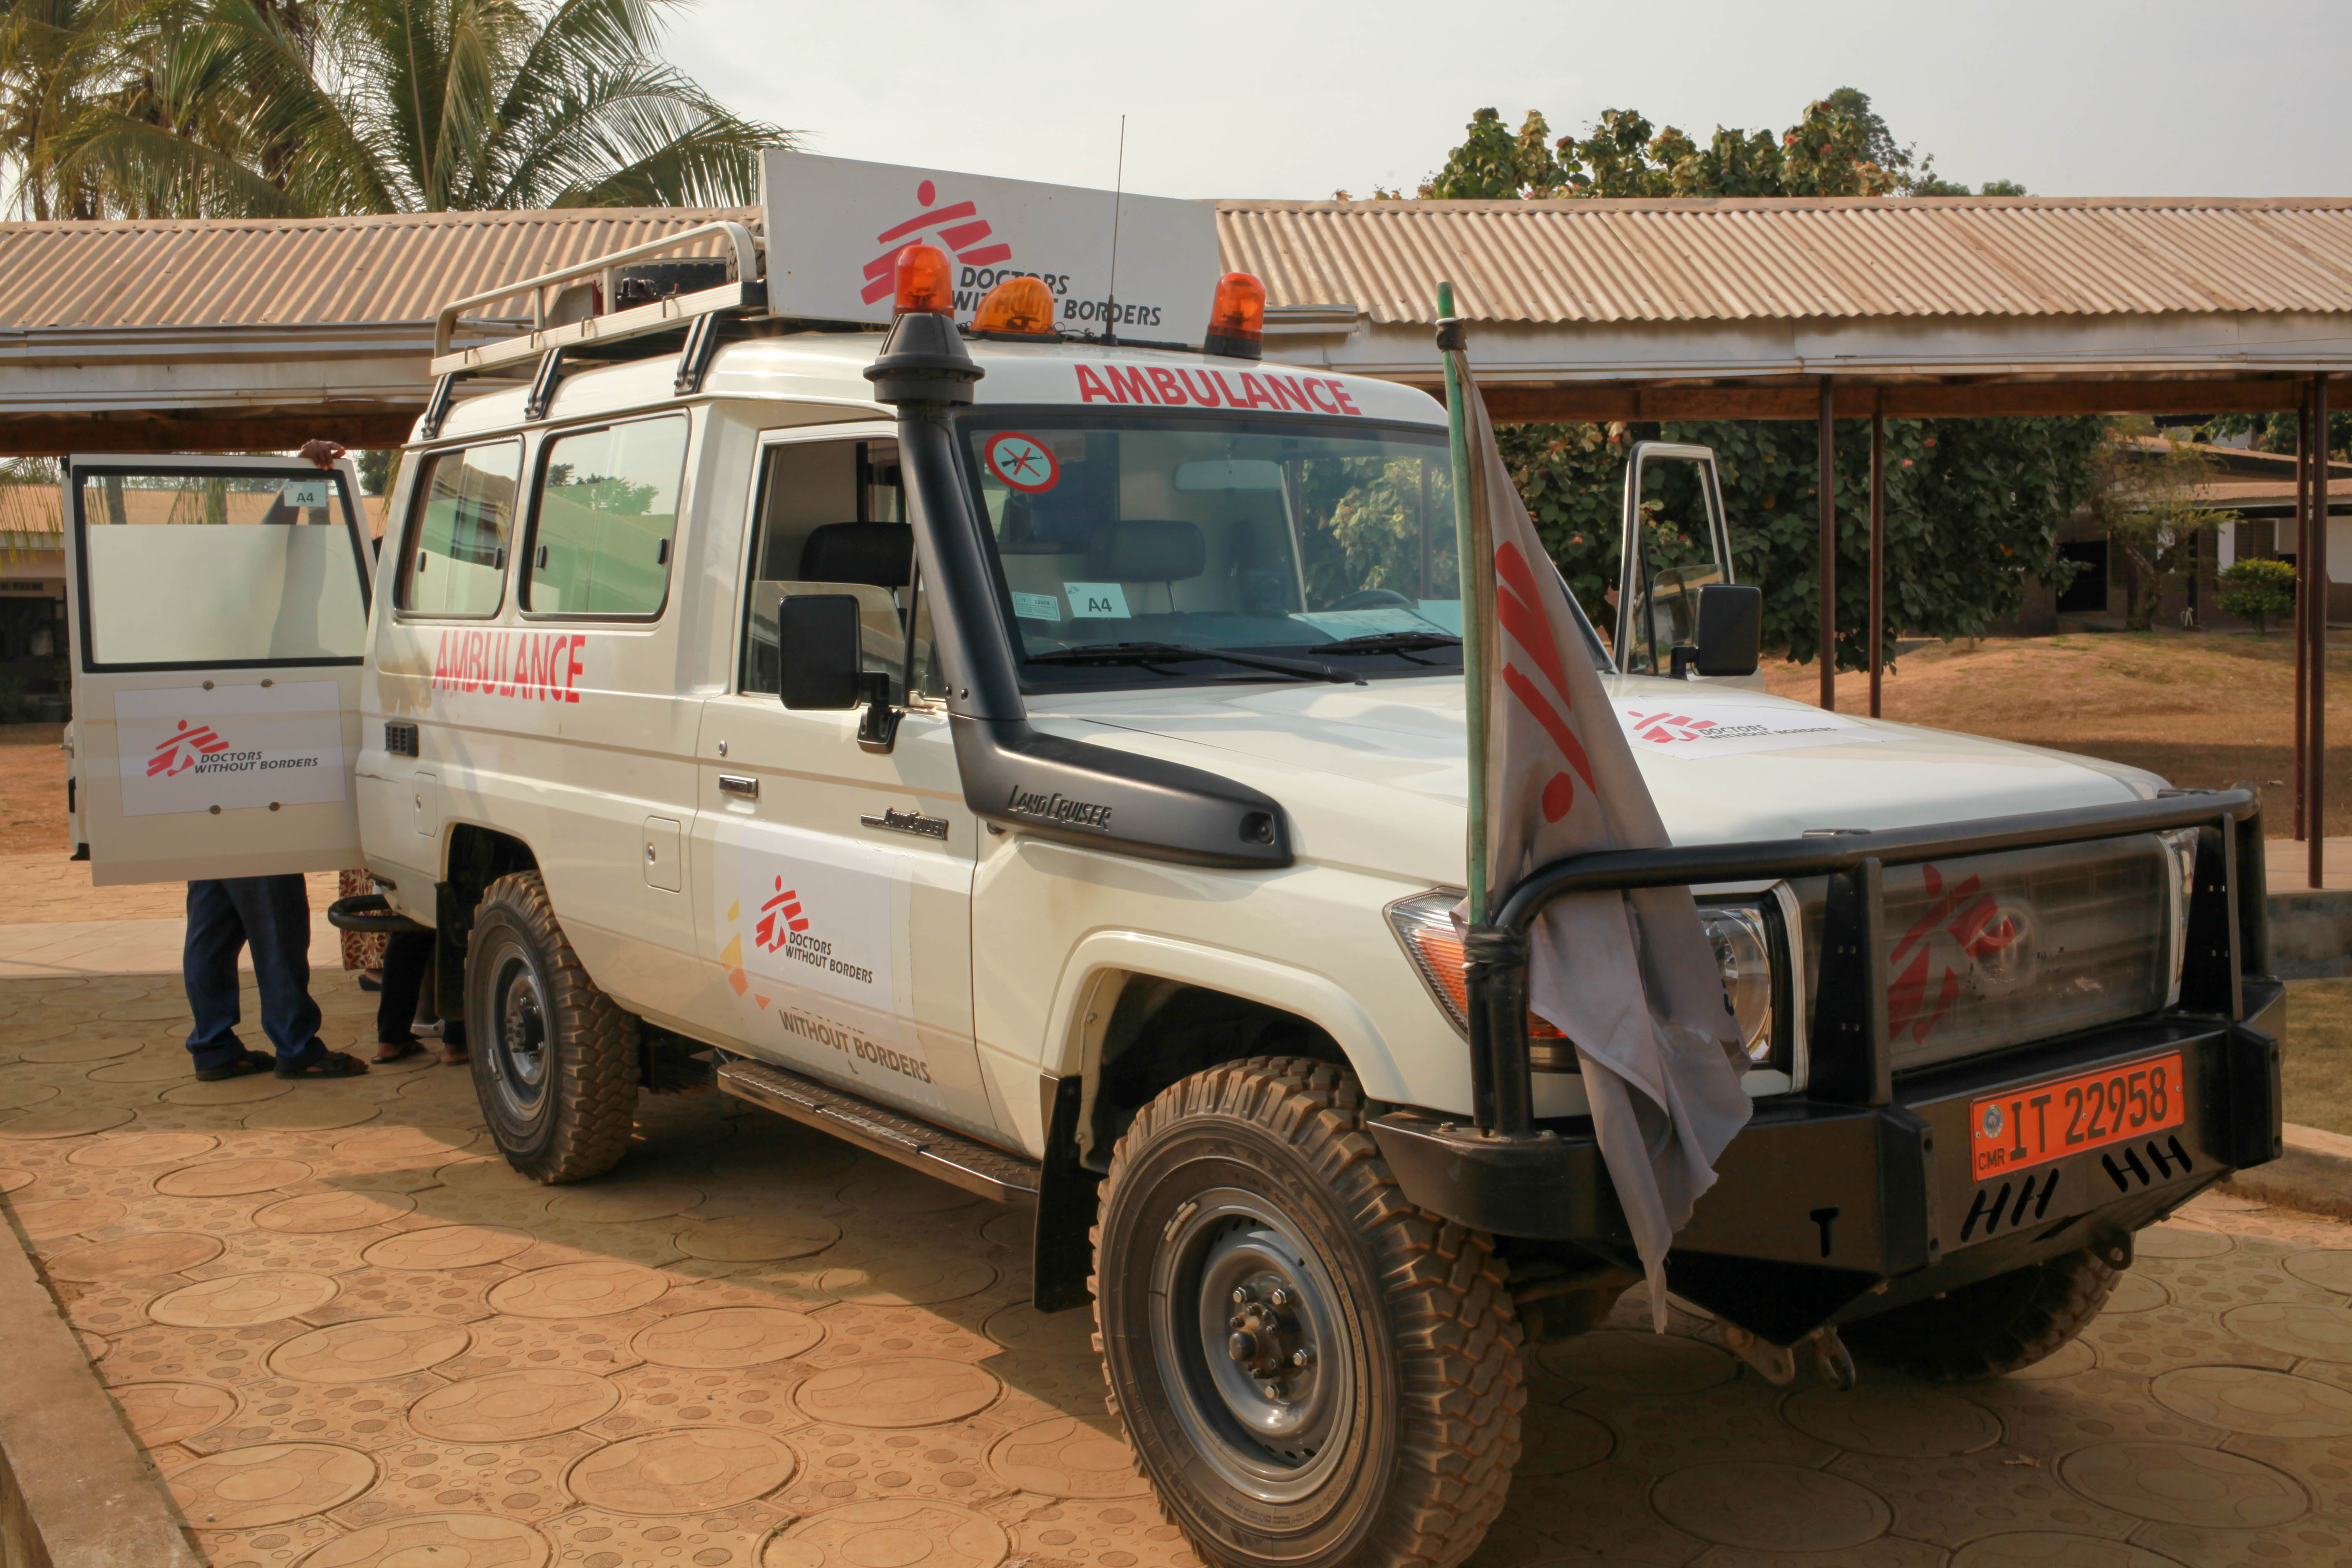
{"points": [[1821, 1214], [1856, 1194]]}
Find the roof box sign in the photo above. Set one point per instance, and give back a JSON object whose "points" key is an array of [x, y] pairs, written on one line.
{"points": [[835, 226]]}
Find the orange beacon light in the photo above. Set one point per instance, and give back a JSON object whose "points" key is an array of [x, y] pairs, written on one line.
{"points": [[923, 286], [1017, 308], [1236, 318]]}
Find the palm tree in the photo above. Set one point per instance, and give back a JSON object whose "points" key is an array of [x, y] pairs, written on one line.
{"points": [[55, 56], [305, 108]]}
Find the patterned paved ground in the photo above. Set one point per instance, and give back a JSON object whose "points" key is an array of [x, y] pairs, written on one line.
{"points": [[349, 1335]]}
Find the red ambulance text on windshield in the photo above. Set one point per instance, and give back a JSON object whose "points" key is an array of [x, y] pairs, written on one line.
{"points": [[1178, 387]]}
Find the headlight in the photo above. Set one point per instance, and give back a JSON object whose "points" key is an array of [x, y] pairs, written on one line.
{"points": [[1743, 949], [1742, 935], [2180, 845]]}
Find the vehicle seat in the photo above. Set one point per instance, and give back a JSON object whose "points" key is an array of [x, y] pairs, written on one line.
{"points": [[1141, 549], [880, 554]]}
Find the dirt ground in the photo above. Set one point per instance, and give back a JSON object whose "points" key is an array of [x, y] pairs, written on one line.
{"points": [[2203, 709], [32, 789]]}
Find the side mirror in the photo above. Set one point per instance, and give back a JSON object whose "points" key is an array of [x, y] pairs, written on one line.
{"points": [[1730, 629], [817, 650]]}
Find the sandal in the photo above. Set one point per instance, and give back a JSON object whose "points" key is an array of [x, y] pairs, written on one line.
{"points": [[238, 1065], [332, 1063], [396, 1050]]}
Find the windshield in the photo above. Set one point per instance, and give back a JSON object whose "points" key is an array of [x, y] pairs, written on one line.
{"points": [[1122, 539]]}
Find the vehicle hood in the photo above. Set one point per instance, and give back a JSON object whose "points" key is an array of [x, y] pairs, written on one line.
{"points": [[1374, 777]]}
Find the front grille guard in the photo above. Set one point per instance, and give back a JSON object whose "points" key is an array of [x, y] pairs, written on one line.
{"points": [[1852, 1057]]}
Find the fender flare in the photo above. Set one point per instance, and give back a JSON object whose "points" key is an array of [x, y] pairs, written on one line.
{"points": [[1072, 1045]]}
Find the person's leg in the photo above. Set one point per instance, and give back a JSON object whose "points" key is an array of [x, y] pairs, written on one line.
{"points": [[208, 970], [406, 959], [277, 915]]}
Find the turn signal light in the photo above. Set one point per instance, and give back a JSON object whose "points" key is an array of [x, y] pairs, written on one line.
{"points": [[923, 283], [1017, 308], [1425, 926], [1236, 318]]}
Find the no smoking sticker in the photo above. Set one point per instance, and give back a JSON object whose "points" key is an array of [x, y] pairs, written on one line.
{"points": [[1023, 462]]}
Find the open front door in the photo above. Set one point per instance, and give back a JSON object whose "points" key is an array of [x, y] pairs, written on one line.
{"points": [[1682, 545], [217, 609]]}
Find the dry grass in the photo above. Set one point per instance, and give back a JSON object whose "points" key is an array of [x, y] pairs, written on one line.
{"points": [[2204, 709], [2317, 1077]]}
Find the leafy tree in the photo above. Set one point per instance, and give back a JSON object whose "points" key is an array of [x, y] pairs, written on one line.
{"points": [[1972, 514], [55, 65], [2257, 589], [2143, 496], [1493, 165], [1973, 506], [2276, 432], [291, 108]]}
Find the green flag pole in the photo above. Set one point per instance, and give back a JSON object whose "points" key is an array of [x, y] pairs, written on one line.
{"points": [[1473, 640]]}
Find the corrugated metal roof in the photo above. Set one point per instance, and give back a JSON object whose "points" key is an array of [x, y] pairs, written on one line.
{"points": [[1537, 263], [1667, 261], [303, 271]]}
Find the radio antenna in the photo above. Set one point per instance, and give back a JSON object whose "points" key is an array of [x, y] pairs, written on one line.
{"points": [[1118, 197]]}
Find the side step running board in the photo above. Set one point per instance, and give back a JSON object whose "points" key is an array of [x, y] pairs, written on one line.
{"points": [[962, 1161]]}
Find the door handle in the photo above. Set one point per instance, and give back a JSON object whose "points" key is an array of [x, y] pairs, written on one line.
{"points": [[736, 784]]}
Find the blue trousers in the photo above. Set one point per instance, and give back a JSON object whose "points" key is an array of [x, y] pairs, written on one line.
{"points": [[271, 915]]}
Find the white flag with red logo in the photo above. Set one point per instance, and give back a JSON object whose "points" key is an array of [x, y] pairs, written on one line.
{"points": [[1631, 978]]}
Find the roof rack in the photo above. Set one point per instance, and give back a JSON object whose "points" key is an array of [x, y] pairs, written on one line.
{"points": [[747, 294], [749, 289]]}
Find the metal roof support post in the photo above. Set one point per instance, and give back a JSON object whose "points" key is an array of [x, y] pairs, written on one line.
{"points": [[1826, 483], [2314, 573], [2302, 517], [1877, 542]]}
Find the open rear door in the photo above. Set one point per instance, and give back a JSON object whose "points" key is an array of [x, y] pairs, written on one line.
{"points": [[217, 608], [1684, 546]]}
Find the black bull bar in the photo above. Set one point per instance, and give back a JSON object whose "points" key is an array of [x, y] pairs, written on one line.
{"points": [[1854, 1193]]}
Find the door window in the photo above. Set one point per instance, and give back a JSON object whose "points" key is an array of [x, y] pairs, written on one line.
{"points": [[607, 515], [215, 568], [832, 519], [455, 561]]}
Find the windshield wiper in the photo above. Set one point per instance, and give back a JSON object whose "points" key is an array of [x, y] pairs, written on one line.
{"points": [[1390, 642], [1160, 652]]}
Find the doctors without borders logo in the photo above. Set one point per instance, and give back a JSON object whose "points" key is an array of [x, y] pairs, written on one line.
{"points": [[186, 749], [1980, 941], [780, 920], [958, 227], [201, 750], [785, 927]]}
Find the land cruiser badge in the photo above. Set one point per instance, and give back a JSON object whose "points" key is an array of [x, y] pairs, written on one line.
{"points": [[1058, 809]]}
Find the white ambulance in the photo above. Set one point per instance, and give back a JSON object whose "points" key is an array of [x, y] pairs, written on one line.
{"points": [[1039, 759]]}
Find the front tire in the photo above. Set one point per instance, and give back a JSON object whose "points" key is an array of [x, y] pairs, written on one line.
{"points": [[1313, 1371], [1992, 1326], [555, 1058]]}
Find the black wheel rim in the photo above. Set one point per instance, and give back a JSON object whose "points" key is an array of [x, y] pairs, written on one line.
{"points": [[517, 1050], [1245, 1325]]}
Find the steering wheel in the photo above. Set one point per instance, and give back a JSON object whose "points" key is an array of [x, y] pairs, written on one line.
{"points": [[1374, 599]]}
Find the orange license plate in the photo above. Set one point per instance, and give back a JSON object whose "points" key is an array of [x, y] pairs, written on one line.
{"points": [[2027, 1127]]}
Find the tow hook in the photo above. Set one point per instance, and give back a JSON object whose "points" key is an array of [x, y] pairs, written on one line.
{"points": [[1776, 1364]]}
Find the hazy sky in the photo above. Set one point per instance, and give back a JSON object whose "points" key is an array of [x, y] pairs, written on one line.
{"points": [[1284, 97]]}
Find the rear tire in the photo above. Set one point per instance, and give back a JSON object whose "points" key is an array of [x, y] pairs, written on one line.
{"points": [[1314, 1373], [554, 1059], [1992, 1326]]}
